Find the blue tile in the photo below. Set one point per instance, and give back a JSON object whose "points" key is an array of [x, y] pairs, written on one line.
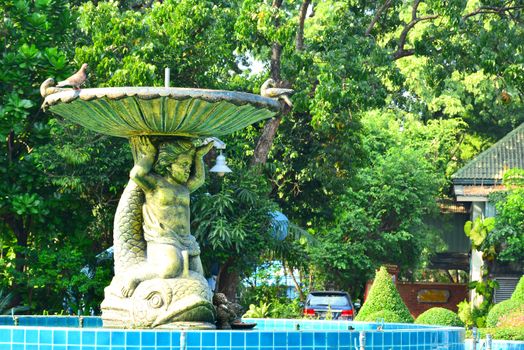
{"points": [[103, 338], [266, 339], [396, 338], [148, 339], [73, 347], [133, 338], [320, 339], [73, 337], [18, 336], [193, 348], [175, 339], [147, 348], [332, 339], [5, 336], [224, 339], [60, 347], [306, 348], [279, 339], [388, 339], [18, 346], [280, 348], [163, 339], [307, 339], [88, 338], [413, 338], [224, 348], [35, 347], [31, 336], [47, 347], [5, 346], [46, 336], [208, 339], [59, 337], [118, 338], [293, 339], [252, 339], [404, 338], [266, 348], [158, 348], [117, 348], [193, 338], [238, 338]]}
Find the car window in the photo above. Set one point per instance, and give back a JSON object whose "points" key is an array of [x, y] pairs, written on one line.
{"points": [[332, 300]]}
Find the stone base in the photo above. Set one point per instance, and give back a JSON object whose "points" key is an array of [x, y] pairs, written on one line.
{"points": [[177, 303]]}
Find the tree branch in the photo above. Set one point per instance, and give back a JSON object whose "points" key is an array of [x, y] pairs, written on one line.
{"points": [[375, 19], [401, 51], [299, 42], [491, 9]]}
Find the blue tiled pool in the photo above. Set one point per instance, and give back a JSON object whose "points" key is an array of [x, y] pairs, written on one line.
{"points": [[64, 333]]}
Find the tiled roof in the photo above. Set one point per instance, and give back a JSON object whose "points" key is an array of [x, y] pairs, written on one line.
{"points": [[489, 167]]}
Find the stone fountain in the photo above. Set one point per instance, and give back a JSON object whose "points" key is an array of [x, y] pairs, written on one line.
{"points": [[159, 280]]}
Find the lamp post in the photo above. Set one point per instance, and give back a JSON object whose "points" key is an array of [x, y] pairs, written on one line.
{"points": [[221, 165]]}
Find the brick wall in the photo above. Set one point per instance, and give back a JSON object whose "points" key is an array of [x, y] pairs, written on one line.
{"points": [[410, 291]]}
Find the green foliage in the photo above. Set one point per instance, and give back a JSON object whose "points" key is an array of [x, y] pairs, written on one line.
{"points": [[383, 295], [6, 303], [260, 311], [285, 308], [506, 238], [478, 230], [439, 316], [518, 293], [386, 315], [505, 333], [127, 47], [502, 309], [465, 313]]}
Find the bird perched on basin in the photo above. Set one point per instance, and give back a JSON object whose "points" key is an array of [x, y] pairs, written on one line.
{"points": [[76, 80], [268, 89]]}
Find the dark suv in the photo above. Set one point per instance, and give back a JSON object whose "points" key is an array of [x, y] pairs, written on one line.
{"points": [[332, 304]]}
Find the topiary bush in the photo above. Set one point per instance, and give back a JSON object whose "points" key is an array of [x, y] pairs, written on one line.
{"points": [[386, 315], [518, 293], [383, 295], [501, 309], [439, 316]]}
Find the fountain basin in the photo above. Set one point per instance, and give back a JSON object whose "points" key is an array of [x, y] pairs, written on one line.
{"points": [[270, 334], [134, 111]]}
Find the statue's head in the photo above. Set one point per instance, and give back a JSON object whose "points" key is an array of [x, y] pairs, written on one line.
{"points": [[175, 157]]}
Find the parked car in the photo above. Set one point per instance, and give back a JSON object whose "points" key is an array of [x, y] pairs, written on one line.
{"points": [[336, 305]]}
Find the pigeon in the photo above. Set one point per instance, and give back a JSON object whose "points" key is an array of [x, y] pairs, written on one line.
{"points": [[268, 90], [76, 79]]}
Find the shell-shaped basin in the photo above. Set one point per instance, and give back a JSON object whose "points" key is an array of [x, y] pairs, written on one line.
{"points": [[132, 111]]}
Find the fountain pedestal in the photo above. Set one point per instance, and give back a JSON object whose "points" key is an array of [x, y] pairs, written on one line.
{"points": [[159, 280]]}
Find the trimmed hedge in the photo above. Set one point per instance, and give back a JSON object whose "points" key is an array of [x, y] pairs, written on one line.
{"points": [[501, 309], [518, 293], [439, 316], [386, 315], [506, 333], [383, 295]]}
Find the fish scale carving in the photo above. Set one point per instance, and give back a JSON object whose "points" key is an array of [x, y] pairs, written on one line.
{"points": [[129, 243]]}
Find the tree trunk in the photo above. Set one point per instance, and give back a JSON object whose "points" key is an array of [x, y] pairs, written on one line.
{"points": [[228, 280]]}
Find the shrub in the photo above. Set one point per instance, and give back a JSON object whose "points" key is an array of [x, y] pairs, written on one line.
{"points": [[383, 295], [465, 314], [514, 318], [261, 311], [386, 315], [506, 333], [518, 293], [439, 316], [501, 309]]}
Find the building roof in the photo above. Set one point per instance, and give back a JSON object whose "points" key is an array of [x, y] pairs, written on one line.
{"points": [[489, 167]]}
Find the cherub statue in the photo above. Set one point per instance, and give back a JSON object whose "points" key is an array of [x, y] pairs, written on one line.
{"points": [[167, 171]]}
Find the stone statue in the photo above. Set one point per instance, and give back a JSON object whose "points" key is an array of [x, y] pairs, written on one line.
{"points": [[152, 234], [228, 313]]}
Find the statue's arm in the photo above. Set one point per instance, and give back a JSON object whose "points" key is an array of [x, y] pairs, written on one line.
{"points": [[197, 174], [145, 153]]}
